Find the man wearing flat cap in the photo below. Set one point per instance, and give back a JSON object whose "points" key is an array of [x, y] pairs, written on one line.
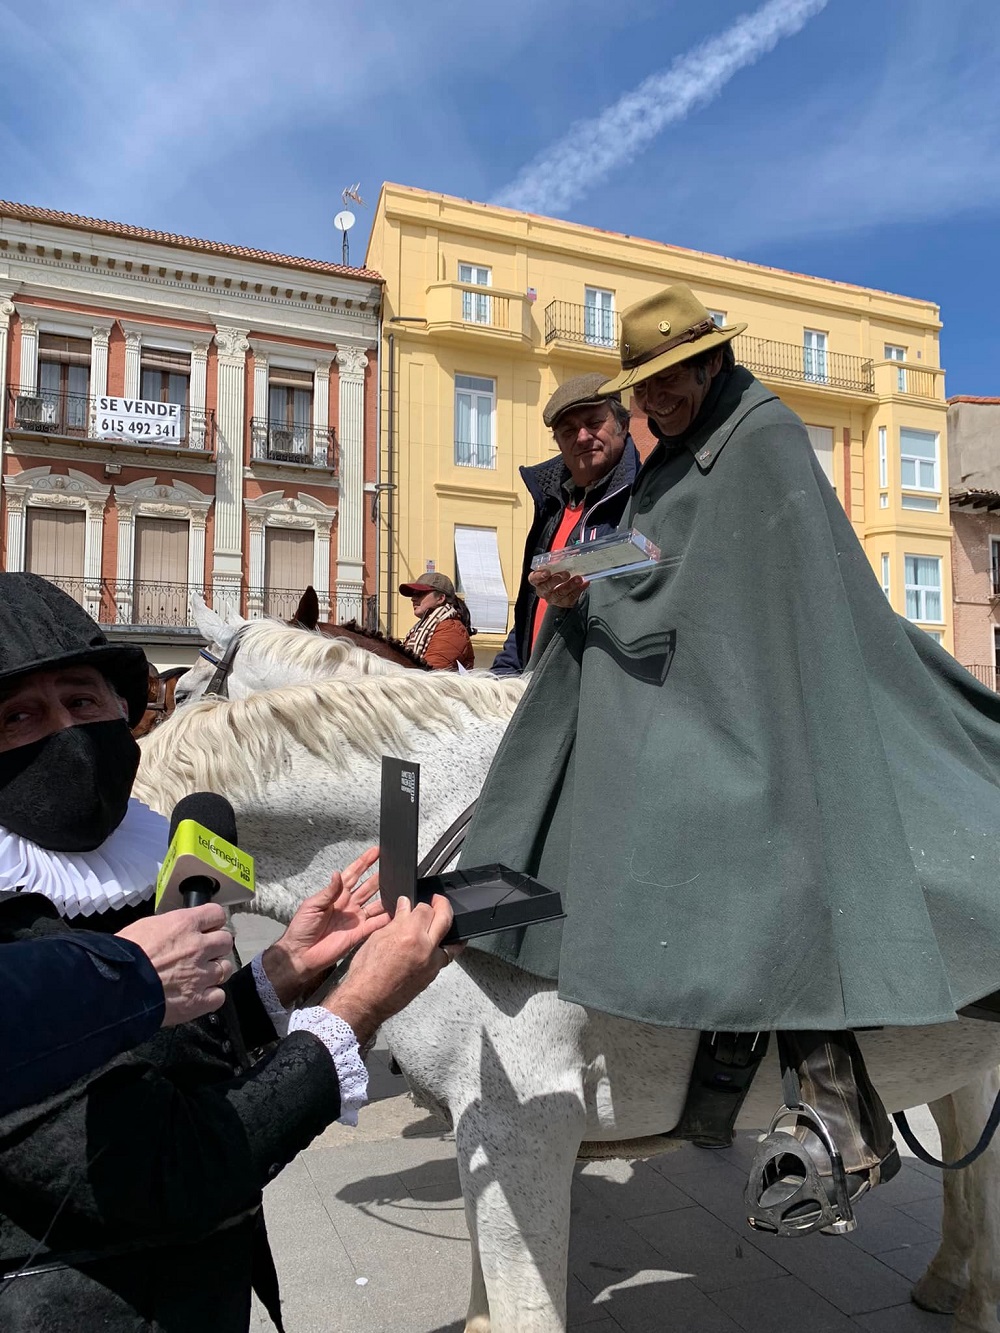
{"points": [[770, 804], [580, 494]]}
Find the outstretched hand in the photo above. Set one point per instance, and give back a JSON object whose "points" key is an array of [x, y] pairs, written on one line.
{"points": [[325, 929]]}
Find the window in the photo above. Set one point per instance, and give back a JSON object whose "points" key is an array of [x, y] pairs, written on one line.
{"points": [[54, 545], [814, 355], [165, 377], [480, 578], [475, 408], [894, 353], [64, 382], [821, 439], [886, 587], [476, 306], [289, 415], [995, 566], [918, 467], [923, 588], [599, 317], [288, 568], [996, 655], [719, 316], [935, 634], [160, 591]]}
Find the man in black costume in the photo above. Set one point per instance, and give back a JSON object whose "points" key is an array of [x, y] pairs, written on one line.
{"points": [[132, 1200]]}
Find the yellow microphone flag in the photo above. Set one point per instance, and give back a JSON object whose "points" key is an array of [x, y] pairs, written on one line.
{"points": [[196, 850]]}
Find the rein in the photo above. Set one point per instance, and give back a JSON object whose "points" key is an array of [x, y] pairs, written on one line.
{"points": [[448, 844], [217, 686]]}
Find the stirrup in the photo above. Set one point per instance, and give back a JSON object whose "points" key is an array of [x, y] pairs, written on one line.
{"points": [[785, 1193]]}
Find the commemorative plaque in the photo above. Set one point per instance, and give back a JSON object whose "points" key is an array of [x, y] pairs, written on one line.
{"points": [[602, 558], [484, 899]]}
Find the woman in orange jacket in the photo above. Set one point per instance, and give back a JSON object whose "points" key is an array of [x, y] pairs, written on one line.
{"points": [[442, 634]]}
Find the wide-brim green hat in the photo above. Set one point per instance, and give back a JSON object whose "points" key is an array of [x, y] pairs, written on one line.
{"points": [[664, 330], [43, 629]]}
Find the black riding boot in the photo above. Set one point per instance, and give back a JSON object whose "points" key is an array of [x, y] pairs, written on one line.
{"points": [[806, 1178]]}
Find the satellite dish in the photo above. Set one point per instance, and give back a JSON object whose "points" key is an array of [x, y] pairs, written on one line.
{"points": [[344, 221]]}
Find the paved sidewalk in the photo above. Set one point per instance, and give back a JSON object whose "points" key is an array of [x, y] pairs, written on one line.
{"points": [[369, 1236]]}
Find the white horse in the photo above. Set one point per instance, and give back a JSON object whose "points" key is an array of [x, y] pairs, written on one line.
{"points": [[272, 654], [525, 1077]]}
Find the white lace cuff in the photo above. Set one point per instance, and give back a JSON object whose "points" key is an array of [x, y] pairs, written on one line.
{"points": [[336, 1035], [339, 1039]]}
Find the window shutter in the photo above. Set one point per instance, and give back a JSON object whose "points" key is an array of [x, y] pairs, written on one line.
{"points": [[54, 542]]}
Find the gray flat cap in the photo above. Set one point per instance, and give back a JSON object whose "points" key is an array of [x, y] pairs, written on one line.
{"points": [[580, 391]]}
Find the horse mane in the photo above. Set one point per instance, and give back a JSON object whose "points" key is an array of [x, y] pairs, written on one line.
{"points": [[376, 636], [311, 651], [237, 746]]}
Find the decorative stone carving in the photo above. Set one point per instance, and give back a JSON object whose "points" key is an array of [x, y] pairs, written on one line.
{"points": [[352, 360], [232, 342]]}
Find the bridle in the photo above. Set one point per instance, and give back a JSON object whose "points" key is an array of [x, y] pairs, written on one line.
{"points": [[217, 686]]}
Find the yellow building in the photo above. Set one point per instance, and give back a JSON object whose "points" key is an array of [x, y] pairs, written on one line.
{"points": [[487, 310]]}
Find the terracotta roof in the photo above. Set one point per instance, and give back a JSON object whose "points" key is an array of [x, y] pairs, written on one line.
{"points": [[973, 498], [965, 398], [28, 213]]}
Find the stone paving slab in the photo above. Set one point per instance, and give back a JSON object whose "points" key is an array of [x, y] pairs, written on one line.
{"points": [[368, 1231]]}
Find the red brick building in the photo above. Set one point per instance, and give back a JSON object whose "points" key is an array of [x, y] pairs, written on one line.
{"points": [[974, 468], [184, 416]]}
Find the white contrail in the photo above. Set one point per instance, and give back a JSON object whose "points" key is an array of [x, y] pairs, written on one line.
{"points": [[592, 149]]}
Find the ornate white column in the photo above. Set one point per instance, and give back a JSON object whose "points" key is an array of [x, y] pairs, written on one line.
{"points": [[15, 529], [227, 563], [6, 310], [98, 370], [92, 543], [259, 413], [125, 570], [352, 362], [255, 571], [196, 551], [197, 396], [321, 572], [29, 353], [321, 414], [133, 353]]}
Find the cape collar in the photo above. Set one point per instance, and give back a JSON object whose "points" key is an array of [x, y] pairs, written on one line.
{"points": [[120, 873]]}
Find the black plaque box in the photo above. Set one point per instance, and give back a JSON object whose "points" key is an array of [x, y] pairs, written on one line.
{"points": [[484, 898]]}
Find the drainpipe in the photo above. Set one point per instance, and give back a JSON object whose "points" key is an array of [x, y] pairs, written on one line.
{"points": [[390, 458]]}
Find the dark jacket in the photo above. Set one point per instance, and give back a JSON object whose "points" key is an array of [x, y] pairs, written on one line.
{"points": [[606, 503], [116, 1002], [133, 1198], [768, 802]]}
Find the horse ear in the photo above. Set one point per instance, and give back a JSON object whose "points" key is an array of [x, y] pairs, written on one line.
{"points": [[213, 628], [307, 611]]}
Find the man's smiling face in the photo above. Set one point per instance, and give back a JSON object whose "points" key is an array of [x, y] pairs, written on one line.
{"points": [[590, 441], [673, 398]]}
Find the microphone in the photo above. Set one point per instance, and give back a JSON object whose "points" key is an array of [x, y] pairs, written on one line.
{"points": [[203, 859]]}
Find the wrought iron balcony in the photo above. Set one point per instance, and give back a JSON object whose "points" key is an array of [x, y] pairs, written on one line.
{"points": [[275, 441], [74, 415], [144, 602], [582, 324], [805, 365]]}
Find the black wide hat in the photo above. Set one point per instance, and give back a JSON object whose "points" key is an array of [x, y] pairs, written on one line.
{"points": [[43, 629]]}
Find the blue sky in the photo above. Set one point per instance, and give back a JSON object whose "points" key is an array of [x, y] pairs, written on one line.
{"points": [[864, 145]]}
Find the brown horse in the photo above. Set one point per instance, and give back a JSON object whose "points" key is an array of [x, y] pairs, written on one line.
{"points": [[159, 699], [307, 615]]}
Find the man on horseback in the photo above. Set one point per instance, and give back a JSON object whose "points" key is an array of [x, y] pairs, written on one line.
{"points": [[804, 837]]}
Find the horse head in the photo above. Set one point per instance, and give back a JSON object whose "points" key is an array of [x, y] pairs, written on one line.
{"points": [[218, 632]]}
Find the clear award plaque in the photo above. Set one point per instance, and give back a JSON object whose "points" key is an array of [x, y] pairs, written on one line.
{"points": [[602, 558]]}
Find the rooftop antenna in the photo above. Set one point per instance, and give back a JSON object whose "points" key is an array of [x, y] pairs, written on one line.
{"points": [[344, 221], [352, 192]]}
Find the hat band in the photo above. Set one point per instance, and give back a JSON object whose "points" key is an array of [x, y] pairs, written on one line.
{"points": [[688, 336]]}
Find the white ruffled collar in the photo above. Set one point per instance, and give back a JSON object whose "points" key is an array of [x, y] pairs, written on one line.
{"points": [[119, 873]]}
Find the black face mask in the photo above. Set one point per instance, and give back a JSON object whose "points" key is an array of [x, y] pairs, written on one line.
{"points": [[69, 791]]}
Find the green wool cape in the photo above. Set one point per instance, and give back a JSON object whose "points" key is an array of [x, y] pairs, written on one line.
{"points": [[768, 801]]}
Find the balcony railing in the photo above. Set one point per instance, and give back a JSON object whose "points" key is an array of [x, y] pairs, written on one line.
{"points": [[582, 324], [987, 675], [469, 453], [900, 377], [467, 307], [805, 365], [275, 441], [41, 412]]}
